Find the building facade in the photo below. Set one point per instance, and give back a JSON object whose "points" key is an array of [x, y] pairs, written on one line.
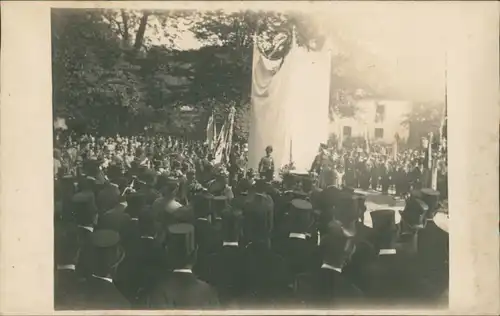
{"points": [[379, 120]]}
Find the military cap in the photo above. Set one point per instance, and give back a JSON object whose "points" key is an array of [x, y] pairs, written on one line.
{"points": [[301, 205], [105, 238]]}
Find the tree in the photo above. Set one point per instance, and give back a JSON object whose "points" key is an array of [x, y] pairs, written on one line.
{"points": [[422, 120], [93, 85]]}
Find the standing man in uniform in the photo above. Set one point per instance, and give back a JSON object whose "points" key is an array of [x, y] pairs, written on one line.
{"points": [[266, 165]]}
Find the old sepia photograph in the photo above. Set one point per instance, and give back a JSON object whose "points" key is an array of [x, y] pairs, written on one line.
{"points": [[249, 159]]}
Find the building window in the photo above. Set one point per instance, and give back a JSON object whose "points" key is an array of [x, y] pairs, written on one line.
{"points": [[380, 113], [379, 133], [347, 131]]}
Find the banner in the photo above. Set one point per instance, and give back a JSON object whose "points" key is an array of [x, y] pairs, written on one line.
{"points": [[269, 115], [290, 104]]}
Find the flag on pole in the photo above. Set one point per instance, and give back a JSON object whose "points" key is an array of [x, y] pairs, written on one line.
{"points": [[367, 140], [211, 132], [229, 142]]}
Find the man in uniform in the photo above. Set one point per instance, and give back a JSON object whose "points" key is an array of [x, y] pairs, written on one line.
{"points": [[226, 267], [66, 281], [85, 211], [327, 286], [266, 275], [144, 263], [99, 291], [181, 288], [433, 247], [300, 253], [391, 277], [266, 165]]}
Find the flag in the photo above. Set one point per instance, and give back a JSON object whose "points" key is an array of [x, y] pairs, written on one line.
{"points": [[229, 138], [367, 141], [211, 132]]}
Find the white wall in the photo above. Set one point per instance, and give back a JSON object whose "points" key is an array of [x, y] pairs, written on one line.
{"points": [[364, 120]]}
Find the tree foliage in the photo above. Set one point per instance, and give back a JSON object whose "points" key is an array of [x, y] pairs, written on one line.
{"points": [[112, 74]]}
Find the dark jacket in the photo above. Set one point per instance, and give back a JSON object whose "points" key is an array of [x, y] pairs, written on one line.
{"points": [[100, 294], [181, 290], [326, 288]]}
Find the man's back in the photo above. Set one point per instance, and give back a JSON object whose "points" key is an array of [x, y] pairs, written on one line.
{"points": [[326, 288], [182, 290]]}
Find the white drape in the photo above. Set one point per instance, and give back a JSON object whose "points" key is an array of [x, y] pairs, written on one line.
{"points": [[290, 107]]}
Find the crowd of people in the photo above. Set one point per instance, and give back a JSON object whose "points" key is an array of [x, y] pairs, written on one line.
{"points": [[157, 223]]}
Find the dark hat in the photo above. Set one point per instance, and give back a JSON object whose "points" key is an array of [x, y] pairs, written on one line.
{"points": [[336, 245], [218, 204], [300, 205], [148, 177], [181, 241], [431, 198], [104, 238], [384, 220], [84, 207], [414, 213], [259, 216], [301, 215], [201, 204], [347, 207], [232, 221]]}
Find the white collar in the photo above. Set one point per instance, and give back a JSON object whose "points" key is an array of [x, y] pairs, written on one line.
{"points": [[203, 218], [387, 252], [124, 204], [66, 267], [183, 270], [297, 235], [89, 228], [230, 243], [330, 267], [114, 184], [134, 219], [147, 237], [103, 278]]}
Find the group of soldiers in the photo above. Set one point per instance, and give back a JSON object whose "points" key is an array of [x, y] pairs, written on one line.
{"points": [[132, 236], [379, 171]]}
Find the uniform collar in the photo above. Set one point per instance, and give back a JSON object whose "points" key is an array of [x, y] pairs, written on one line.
{"points": [[183, 270], [89, 228], [202, 218], [230, 243], [134, 219], [103, 278], [330, 267], [147, 237], [66, 267], [297, 235], [387, 252]]}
